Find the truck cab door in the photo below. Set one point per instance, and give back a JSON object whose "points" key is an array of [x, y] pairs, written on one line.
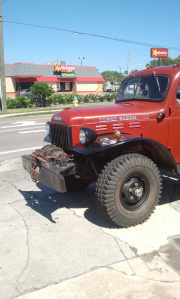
{"points": [[174, 125]]}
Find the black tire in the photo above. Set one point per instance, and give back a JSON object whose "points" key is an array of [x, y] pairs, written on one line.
{"points": [[74, 184], [128, 189]]}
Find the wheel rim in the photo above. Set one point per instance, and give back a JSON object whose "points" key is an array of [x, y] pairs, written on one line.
{"points": [[134, 191]]}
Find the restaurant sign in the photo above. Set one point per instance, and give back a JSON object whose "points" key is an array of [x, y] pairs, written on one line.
{"points": [[159, 53], [65, 71], [68, 75]]}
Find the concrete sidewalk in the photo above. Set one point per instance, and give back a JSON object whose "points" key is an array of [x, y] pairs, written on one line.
{"points": [[60, 246]]}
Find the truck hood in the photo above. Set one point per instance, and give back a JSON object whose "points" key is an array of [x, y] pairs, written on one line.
{"points": [[117, 112], [97, 114]]}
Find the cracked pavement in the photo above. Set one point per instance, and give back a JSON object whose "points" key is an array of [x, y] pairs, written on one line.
{"points": [[60, 246]]}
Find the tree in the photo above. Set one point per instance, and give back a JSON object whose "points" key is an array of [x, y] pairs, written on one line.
{"points": [[125, 73], [112, 76], [43, 91], [164, 61]]}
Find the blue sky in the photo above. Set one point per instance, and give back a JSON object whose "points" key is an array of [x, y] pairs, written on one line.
{"points": [[155, 22]]}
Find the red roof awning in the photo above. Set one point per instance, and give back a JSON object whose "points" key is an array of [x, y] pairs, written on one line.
{"points": [[90, 79], [26, 76]]}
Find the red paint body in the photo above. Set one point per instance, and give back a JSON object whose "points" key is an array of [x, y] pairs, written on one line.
{"points": [[134, 117]]}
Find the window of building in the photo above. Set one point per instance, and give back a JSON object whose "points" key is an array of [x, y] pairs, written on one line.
{"points": [[23, 85], [64, 86]]}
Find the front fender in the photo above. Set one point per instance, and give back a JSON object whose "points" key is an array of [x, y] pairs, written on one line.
{"points": [[130, 144]]}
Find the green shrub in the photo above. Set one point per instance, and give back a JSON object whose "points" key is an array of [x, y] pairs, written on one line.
{"points": [[24, 102], [19, 102], [80, 97], [101, 98], [110, 97], [43, 91], [114, 95], [68, 98], [87, 98], [94, 97], [57, 99], [10, 103]]}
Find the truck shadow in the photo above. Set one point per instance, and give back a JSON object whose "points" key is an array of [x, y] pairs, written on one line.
{"points": [[171, 189], [46, 201]]}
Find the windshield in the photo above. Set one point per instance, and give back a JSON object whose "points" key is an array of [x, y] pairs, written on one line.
{"points": [[147, 88]]}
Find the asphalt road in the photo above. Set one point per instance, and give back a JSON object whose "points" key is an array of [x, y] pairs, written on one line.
{"points": [[21, 135]]}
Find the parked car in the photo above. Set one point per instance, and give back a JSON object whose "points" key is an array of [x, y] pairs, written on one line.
{"points": [[109, 90], [27, 93]]}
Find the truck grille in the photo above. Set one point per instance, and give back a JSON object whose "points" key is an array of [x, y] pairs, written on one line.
{"points": [[61, 136]]}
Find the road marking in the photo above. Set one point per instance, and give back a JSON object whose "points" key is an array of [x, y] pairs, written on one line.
{"points": [[12, 121], [35, 131], [21, 150], [23, 124], [12, 130]]}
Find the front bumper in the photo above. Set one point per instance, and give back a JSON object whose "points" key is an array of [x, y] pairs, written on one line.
{"points": [[50, 176]]}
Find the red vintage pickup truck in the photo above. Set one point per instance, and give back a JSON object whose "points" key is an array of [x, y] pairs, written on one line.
{"points": [[125, 147]]}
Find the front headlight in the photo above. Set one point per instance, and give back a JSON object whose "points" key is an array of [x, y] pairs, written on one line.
{"points": [[47, 127], [87, 135], [82, 136]]}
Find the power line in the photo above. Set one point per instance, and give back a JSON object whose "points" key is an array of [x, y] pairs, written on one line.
{"points": [[23, 22], [89, 34]]}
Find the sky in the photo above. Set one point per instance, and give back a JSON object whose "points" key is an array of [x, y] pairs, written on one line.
{"points": [[154, 22]]}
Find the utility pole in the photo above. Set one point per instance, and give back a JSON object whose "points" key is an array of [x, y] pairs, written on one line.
{"points": [[128, 63], [2, 66]]}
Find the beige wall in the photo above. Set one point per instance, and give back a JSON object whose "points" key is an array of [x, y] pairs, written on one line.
{"points": [[10, 87], [86, 87], [54, 85]]}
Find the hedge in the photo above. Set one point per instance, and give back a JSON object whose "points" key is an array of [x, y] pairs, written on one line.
{"points": [[58, 99], [19, 102]]}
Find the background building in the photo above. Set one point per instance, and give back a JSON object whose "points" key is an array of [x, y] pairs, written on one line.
{"points": [[63, 78]]}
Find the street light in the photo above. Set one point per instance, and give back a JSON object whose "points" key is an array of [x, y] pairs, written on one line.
{"points": [[120, 68], [133, 67], [81, 59]]}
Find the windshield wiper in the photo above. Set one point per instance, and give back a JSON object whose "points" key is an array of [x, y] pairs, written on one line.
{"points": [[157, 81]]}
